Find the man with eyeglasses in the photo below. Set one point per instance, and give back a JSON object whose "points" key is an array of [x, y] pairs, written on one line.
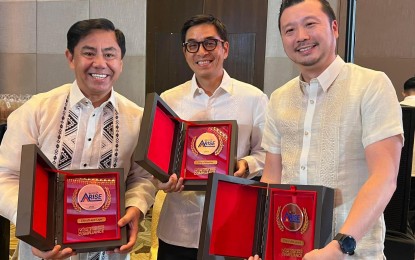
{"points": [[210, 95]]}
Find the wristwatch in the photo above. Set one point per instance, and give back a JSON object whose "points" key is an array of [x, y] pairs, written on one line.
{"points": [[347, 243]]}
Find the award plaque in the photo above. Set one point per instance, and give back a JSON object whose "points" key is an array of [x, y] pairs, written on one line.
{"points": [[79, 209], [293, 216], [191, 149], [276, 221]]}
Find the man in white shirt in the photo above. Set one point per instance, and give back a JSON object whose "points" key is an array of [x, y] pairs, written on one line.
{"points": [[210, 95], [409, 93], [337, 125], [83, 125], [409, 100]]}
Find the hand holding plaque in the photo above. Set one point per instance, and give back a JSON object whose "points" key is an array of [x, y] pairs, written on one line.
{"points": [[78, 209]]}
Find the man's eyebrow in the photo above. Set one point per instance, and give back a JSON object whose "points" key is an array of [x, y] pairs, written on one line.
{"points": [[206, 38], [304, 19], [109, 49], [88, 48], [94, 49]]}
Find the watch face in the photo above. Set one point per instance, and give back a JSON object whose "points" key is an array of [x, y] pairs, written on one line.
{"points": [[349, 244]]}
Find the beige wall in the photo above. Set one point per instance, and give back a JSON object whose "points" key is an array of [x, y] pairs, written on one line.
{"points": [[33, 42]]}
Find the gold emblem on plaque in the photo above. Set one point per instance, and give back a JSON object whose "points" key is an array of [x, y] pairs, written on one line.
{"points": [[91, 196], [210, 142], [206, 143], [290, 217]]}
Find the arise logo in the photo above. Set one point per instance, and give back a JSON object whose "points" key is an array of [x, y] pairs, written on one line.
{"points": [[292, 217], [207, 143], [91, 197]]}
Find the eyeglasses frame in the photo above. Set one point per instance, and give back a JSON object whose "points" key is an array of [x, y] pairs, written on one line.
{"points": [[201, 43]]}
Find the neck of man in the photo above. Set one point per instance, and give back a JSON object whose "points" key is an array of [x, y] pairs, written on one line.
{"points": [[409, 92], [97, 100], [313, 71], [209, 85]]}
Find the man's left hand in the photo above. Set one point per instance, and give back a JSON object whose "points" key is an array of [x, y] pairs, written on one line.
{"points": [[132, 218], [242, 169], [330, 252]]}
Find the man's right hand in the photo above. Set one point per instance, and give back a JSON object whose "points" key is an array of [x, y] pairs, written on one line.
{"points": [[55, 253], [173, 185]]}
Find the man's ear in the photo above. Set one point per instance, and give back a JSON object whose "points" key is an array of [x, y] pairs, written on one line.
{"points": [[69, 57], [226, 50]]}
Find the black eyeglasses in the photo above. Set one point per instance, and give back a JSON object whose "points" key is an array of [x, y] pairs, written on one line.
{"points": [[208, 44]]}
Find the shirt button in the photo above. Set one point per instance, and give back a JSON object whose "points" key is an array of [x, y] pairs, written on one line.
{"points": [[306, 133], [89, 139], [311, 101], [85, 164], [93, 115], [303, 167]]}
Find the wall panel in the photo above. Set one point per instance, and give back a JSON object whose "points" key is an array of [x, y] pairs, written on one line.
{"points": [[18, 27]]}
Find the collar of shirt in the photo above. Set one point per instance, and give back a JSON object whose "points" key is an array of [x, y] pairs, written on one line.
{"points": [[225, 85], [76, 97], [409, 98], [328, 76], [409, 101]]}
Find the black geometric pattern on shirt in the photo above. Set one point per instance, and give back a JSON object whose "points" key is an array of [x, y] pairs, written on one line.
{"points": [[94, 256], [117, 138], [71, 123], [69, 140], [66, 157], [108, 144], [108, 130], [106, 160], [61, 125]]}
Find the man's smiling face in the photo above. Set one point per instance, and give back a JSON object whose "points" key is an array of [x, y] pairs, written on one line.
{"points": [[206, 64], [97, 63], [308, 36]]}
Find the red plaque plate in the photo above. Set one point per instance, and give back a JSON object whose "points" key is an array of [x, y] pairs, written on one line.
{"points": [[90, 209], [293, 216]]}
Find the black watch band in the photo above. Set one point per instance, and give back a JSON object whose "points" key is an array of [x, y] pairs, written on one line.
{"points": [[347, 243]]}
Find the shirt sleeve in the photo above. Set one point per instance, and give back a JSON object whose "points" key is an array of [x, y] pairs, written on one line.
{"points": [[140, 188], [271, 140], [381, 111], [256, 158], [21, 129]]}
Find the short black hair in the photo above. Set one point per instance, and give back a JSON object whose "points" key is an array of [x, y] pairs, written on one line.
{"points": [[325, 7], [81, 29], [409, 84], [205, 19]]}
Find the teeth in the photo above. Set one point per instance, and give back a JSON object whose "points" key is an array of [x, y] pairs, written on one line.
{"points": [[305, 49], [203, 62], [99, 76]]}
